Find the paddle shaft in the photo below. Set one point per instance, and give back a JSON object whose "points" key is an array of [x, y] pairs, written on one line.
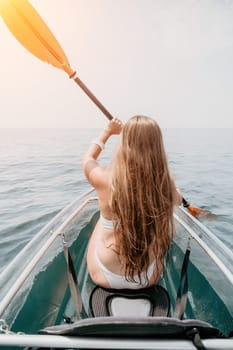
{"points": [[92, 97], [105, 111], [185, 203], [110, 117]]}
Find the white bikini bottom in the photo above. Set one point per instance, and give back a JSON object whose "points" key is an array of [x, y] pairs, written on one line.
{"points": [[119, 281]]}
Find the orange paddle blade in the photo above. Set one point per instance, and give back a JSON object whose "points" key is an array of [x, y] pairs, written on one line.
{"points": [[31, 31], [194, 211], [198, 212], [201, 213]]}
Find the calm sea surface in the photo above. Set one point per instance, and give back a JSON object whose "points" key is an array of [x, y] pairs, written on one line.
{"points": [[40, 173]]}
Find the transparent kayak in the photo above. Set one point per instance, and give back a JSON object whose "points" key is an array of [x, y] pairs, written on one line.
{"points": [[35, 293]]}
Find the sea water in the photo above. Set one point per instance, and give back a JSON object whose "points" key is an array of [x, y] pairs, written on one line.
{"points": [[40, 173]]}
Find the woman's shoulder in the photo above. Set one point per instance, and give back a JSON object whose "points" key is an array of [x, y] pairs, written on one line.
{"points": [[99, 177]]}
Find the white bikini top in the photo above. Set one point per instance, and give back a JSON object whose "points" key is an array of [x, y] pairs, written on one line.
{"points": [[108, 224]]}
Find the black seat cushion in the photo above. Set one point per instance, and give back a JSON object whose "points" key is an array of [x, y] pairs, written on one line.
{"points": [[101, 300]]}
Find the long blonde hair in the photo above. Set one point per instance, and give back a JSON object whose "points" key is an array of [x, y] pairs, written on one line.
{"points": [[142, 196]]}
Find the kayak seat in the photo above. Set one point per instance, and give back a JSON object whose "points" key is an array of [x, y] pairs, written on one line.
{"points": [[152, 301], [143, 313]]}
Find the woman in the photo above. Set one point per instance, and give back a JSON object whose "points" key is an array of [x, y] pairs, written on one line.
{"points": [[136, 198]]}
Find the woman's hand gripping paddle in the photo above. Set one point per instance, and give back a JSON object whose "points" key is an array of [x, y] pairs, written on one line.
{"points": [[31, 31]]}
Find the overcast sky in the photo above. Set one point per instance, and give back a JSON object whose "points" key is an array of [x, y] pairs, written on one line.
{"points": [[170, 59]]}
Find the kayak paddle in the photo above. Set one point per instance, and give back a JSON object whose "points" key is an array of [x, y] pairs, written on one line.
{"points": [[30, 30]]}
